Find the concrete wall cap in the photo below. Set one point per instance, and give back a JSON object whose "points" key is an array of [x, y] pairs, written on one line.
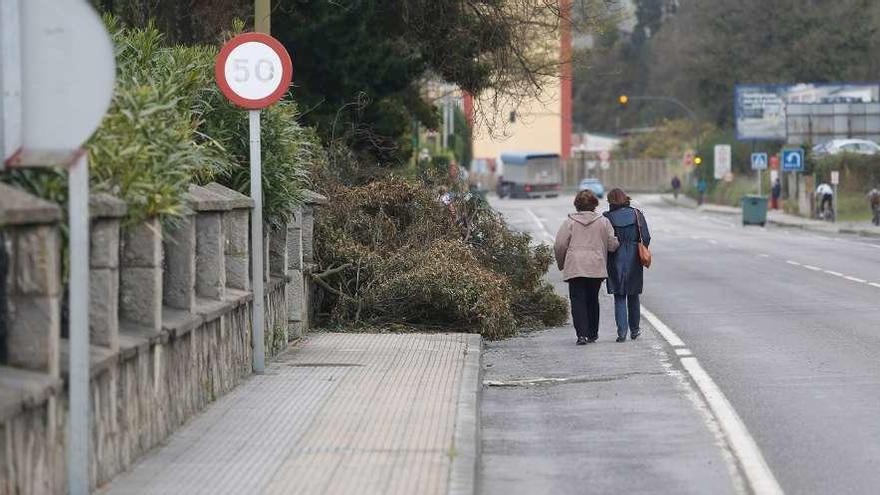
{"points": [[21, 389], [313, 198], [235, 198], [103, 205], [20, 208], [203, 199]]}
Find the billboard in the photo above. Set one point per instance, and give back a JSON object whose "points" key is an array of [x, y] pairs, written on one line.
{"points": [[767, 111]]}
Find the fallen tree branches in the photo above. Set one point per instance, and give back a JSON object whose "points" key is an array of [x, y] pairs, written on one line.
{"points": [[389, 253]]}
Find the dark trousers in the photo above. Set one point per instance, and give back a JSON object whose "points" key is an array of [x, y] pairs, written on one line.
{"points": [[584, 295]]}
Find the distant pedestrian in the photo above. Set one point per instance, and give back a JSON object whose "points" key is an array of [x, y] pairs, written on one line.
{"points": [[625, 270], [775, 193], [874, 199], [701, 189], [582, 246], [676, 186]]}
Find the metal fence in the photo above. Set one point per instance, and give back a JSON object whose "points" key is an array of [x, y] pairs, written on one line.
{"points": [[820, 122], [630, 174]]}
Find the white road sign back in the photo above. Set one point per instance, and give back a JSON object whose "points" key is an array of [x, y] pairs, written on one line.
{"points": [[722, 160], [68, 82]]}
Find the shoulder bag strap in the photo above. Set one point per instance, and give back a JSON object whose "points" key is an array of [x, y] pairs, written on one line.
{"points": [[638, 225]]}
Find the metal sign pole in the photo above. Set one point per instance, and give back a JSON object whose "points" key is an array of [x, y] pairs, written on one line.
{"points": [[257, 270], [78, 205], [758, 171], [836, 211]]}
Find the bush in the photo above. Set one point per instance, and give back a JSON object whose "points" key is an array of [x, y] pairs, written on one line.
{"points": [[730, 193], [287, 149], [390, 254], [147, 150], [169, 126], [858, 173]]}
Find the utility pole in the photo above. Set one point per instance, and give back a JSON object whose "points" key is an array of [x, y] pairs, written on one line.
{"points": [[444, 140], [263, 16]]}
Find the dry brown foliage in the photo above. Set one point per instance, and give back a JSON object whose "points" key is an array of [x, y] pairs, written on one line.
{"points": [[389, 253]]}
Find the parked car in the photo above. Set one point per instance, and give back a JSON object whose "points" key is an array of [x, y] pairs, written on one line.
{"points": [[835, 146], [594, 185]]}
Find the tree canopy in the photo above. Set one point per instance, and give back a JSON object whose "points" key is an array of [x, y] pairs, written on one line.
{"points": [[360, 65], [697, 50]]}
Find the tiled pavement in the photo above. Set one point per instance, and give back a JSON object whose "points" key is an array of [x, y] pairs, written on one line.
{"points": [[340, 414]]}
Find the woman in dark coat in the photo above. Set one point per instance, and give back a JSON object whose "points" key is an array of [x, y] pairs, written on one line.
{"points": [[625, 271]]}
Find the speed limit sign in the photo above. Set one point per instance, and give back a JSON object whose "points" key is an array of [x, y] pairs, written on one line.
{"points": [[253, 70]]}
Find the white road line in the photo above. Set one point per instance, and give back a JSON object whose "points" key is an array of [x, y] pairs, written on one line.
{"points": [[662, 329], [762, 255], [790, 262], [814, 268], [836, 274], [854, 279], [875, 284], [742, 444], [540, 225], [713, 241]]}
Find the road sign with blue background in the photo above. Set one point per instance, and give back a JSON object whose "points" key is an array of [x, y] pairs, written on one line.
{"points": [[759, 161], [793, 159]]}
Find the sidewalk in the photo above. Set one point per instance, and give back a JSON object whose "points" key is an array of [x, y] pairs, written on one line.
{"points": [[605, 418], [339, 414], [779, 218]]}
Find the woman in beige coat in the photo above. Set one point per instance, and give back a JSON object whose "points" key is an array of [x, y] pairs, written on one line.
{"points": [[582, 246]]}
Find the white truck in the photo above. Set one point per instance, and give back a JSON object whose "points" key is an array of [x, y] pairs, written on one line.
{"points": [[530, 175]]}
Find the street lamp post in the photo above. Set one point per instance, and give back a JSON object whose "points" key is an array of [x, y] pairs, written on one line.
{"points": [[625, 99]]}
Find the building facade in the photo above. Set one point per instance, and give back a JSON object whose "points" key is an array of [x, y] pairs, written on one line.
{"points": [[536, 124]]}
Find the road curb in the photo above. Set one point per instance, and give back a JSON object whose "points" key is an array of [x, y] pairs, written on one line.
{"points": [[466, 437], [861, 232], [709, 208], [673, 202]]}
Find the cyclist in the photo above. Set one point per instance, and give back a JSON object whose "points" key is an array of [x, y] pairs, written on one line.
{"points": [[825, 196]]}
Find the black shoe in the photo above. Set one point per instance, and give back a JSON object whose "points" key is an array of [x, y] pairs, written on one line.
{"points": [[582, 341], [635, 335], [621, 339], [591, 340]]}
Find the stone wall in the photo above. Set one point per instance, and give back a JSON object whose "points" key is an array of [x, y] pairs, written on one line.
{"points": [[169, 325]]}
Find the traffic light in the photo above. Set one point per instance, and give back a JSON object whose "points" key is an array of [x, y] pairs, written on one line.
{"points": [[623, 100], [698, 160]]}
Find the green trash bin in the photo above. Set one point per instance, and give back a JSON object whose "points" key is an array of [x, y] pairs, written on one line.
{"points": [[754, 210]]}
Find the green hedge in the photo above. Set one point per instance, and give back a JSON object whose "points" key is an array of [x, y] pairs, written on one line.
{"points": [[169, 126], [148, 148], [858, 173]]}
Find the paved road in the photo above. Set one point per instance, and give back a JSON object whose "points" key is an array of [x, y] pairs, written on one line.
{"points": [[786, 322]]}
